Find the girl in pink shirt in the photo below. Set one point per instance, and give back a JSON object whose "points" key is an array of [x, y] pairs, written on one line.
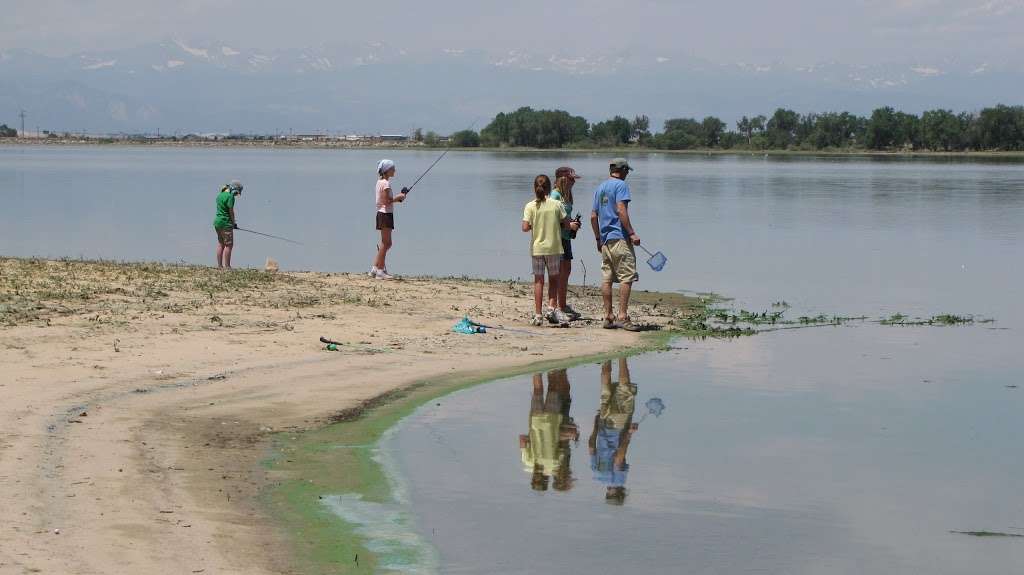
{"points": [[385, 217]]}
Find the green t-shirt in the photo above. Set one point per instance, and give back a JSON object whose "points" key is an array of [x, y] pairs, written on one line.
{"points": [[556, 195], [545, 221], [225, 201]]}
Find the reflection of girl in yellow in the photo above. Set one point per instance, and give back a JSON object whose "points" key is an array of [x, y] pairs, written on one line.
{"points": [[545, 450]]}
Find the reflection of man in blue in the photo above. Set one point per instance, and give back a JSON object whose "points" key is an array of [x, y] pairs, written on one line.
{"points": [[613, 428]]}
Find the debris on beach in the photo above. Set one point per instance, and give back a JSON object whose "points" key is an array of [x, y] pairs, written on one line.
{"points": [[467, 326]]}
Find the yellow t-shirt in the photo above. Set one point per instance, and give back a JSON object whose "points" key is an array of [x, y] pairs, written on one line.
{"points": [[543, 447], [545, 221]]}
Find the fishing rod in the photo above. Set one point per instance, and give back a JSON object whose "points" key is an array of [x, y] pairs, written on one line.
{"points": [[439, 158], [270, 236]]}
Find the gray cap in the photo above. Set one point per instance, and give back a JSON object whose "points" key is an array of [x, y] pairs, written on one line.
{"points": [[235, 185], [619, 165]]}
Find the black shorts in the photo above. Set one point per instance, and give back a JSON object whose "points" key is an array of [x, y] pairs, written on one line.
{"points": [[385, 221], [566, 250]]}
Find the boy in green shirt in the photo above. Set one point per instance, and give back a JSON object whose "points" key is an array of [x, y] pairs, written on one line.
{"points": [[224, 222]]}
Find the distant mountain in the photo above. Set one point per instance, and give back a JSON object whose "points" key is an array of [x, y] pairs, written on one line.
{"points": [[176, 87]]}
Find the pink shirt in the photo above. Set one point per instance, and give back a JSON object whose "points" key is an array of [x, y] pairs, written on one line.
{"points": [[383, 195]]}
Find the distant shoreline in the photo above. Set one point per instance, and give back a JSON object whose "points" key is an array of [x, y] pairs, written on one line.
{"points": [[341, 145]]}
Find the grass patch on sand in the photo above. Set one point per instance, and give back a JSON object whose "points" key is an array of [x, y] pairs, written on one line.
{"points": [[34, 290]]}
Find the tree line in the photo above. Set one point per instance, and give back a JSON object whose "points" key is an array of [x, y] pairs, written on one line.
{"points": [[992, 129], [6, 132]]}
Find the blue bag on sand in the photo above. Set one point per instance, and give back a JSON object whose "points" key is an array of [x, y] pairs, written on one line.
{"points": [[466, 326]]}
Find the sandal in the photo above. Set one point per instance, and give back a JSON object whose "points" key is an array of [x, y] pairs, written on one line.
{"points": [[628, 325]]}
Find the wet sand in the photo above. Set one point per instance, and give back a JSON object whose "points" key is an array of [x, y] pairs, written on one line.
{"points": [[140, 399]]}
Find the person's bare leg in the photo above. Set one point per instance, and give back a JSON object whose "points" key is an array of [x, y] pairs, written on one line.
{"points": [[624, 371], [564, 271], [553, 281], [227, 257], [220, 255], [624, 290], [382, 249], [538, 294], [606, 295]]}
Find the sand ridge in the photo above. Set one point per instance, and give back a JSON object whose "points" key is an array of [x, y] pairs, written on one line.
{"points": [[138, 399]]}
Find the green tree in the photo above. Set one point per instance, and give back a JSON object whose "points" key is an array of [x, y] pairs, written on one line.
{"points": [[832, 130], [942, 130], [749, 126], [431, 138], [640, 128], [535, 128], [680, 134], [6, 132], [417, 135], [881, 129], [465, 139], [614, 132], [1000, 128], [781, 128], [711, 131]]}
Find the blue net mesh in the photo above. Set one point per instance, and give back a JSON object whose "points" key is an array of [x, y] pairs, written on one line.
{"points": [[657, 261]]}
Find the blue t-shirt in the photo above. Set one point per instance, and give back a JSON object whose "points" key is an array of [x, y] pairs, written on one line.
{"points": [[556, 195], [606, 197]]}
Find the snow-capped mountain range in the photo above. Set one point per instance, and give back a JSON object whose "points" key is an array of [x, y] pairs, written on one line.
{"points": [[176, 86]]}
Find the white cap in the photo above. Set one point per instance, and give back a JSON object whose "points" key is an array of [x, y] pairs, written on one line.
{"points": [[384, 165]]}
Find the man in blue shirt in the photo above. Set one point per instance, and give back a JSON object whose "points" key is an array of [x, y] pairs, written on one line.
{"points": [[613, 430], [615, 240]]}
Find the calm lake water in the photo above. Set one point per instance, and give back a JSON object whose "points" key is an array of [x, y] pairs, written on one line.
{"points": [[856, 449]]}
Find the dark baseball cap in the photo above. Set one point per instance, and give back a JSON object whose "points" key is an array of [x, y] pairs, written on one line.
{"points": [[620, 165], [566, 171]]}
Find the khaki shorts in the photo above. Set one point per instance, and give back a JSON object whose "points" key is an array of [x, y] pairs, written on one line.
{"points": [[618, 262], [552, 264], [226, 236]]}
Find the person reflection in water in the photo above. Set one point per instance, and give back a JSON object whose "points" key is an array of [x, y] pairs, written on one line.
{"points": [[545, 450], [613, 428]]}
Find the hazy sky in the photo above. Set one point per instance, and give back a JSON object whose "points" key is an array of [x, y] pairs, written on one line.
{"points": [[792, 31]]}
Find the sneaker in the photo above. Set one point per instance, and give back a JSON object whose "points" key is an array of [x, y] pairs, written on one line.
{"points": [[538, 320], [373, 271], [550, 315], [573, 314], [383, 275], [628, 325], [560, 318], [609, 323]]}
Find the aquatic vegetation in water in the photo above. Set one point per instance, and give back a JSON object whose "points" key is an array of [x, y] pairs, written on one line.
{"points": [[744, 322], [987, 534], [941, 319]]}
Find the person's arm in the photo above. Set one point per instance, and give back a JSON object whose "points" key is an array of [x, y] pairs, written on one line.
{"points": [[623, 210], [526, 226], [231, 214], [620, 453], [592, 440], [527, 218], [401, 195], [596, 227], [524, 441]]}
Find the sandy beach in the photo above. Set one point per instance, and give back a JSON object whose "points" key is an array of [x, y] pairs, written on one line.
{"points": [[140, 399]]}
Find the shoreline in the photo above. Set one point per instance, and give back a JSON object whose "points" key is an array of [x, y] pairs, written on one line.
{"points": [[307, 495], [143, 402], [343, 146]]}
